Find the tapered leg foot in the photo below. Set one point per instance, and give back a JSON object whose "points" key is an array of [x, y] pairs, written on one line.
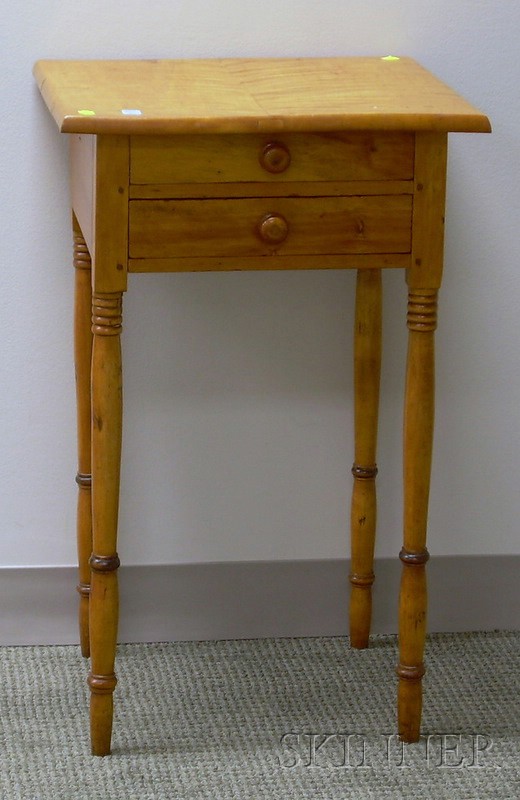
{"points": [[363, 520], [101, 712], [410, 707], [412, 633], [83, 618]]}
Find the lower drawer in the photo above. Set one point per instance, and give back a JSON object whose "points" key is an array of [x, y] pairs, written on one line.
{"points": [[259, 226]]}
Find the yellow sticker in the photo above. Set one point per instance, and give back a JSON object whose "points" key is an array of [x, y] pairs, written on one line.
{"points": [[390, 58], [86, 112]]}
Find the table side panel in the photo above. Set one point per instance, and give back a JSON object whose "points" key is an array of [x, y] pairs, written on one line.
{"points": [[82, 184]]}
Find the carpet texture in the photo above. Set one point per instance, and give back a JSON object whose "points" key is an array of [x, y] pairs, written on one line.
{"points": [[265, 718]]}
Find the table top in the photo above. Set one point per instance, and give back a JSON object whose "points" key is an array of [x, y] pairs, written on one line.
{"points": [[248, 95]]}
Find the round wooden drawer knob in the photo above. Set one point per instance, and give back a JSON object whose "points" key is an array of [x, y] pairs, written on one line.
{"points": [[275, 157], [273, 229]]}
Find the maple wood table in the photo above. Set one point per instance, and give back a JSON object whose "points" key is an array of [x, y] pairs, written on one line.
{"points": [[256, 164]]}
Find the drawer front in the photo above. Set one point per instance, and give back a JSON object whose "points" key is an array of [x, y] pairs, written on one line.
{"points": [[262, 227], [288, 157]]}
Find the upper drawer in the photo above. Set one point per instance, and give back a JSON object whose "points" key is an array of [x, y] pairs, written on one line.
{"points": [[259, 157]]}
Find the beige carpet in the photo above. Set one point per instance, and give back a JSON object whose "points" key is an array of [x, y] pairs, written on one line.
{"points": [[265, 718]]}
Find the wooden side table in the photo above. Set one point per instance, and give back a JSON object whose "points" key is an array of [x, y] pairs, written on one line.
{"points": [[256, 164]]}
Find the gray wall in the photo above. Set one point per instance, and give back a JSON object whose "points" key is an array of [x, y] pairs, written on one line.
{"points": [[237, 438]]}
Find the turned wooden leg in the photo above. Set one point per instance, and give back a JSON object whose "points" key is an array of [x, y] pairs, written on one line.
{"points": [[367, 365], [82, 360], [418, 436], [106, 456]]}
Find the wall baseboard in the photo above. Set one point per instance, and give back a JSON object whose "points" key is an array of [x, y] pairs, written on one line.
{"points": [[244, 600]]}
